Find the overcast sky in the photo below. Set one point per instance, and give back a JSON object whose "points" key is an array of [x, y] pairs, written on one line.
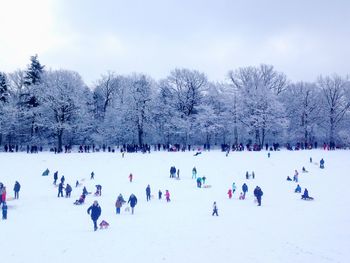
{"points": [[302, 38]]}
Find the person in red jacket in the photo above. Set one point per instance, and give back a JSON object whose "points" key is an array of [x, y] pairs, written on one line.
{"points": [[229, 193], [3, 195]]}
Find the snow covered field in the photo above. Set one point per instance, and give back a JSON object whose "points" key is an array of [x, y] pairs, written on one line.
{"points": [[44, 228]]}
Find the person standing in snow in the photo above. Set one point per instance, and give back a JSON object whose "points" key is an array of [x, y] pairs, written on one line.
{"points": [[68, 190], [132, 201], [60, 190], [148, 193], [215, 209], [167, 195], [229, 193], [194, 173], [295, 177], [244, 189], [16, 189], [119, 203], [233, 188], [95, 210], [62, 179], [258, 194], [4, 211], [130, 177], [55, 177], [92, 175], [160, 194]]}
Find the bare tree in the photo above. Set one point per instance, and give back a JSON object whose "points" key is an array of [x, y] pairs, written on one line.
{"points": [[337, 104]]}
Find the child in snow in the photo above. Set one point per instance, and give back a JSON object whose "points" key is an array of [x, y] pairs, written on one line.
{"points": [[233, 187], [304, 170], [194, 173], [215, 209], [203, 180], [104, 224], [306, 196], [322, 164], [199, 182], [160, 194], [167, 195], [92, 175], [295, 177], [81, 200], [241, 196], [298, 189], [130, 177], [229, 193], [288, 178]]}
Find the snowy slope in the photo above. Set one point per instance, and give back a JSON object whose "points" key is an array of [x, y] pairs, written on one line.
{"points": [[44, 228]]}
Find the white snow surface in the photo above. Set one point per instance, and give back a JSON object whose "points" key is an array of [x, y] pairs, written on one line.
{"points": [[43, 228]]}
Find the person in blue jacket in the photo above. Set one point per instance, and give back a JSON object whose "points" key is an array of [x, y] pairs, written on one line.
{"points": [[298, 189], [322, 164], [4, 211], [95, 210], [258, 194], [132, 201], [16, 189], [244, 189], [148, 193]]}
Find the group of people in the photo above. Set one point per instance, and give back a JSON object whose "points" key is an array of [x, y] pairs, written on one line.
{"points": [[3, 204]]}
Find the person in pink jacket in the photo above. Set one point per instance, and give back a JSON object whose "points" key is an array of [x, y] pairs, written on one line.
{"points": [[229, 193], [167, 195], [3, 195]]}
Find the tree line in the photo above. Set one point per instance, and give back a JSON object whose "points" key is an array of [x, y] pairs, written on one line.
{"points": [[255, 105]]}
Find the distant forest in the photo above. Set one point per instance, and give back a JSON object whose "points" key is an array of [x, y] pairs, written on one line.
{"points": [[253, 105]]}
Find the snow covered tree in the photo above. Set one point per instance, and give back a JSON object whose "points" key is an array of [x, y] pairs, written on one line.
{"points": [[63, 102], [334, 89], [261, 111], [303, 104], [3, 87]]}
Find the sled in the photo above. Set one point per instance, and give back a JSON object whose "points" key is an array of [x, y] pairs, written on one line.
{"points": [[307, 199], [206, 186], [10, 198], [104, 224]]}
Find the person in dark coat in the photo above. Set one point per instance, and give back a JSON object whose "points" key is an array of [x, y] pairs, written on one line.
{"points": [[244, 189], [258, 193], [85, 191], [55, 177], [60, 190], [62, 179], [148, 193], [4, 211], [322, 164], [95, 210], [16, 189], [306, 196], [92, 175], [133, 201], [160, 194], [68, 190], [215, 209]]}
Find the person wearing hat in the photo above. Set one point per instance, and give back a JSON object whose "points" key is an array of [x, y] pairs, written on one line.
{"points": [[95, 210]]}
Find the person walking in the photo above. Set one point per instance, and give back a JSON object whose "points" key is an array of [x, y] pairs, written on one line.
{"points": [[132, 201], [215, 209], [95, 210], [55, 177], [244, 189]]}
